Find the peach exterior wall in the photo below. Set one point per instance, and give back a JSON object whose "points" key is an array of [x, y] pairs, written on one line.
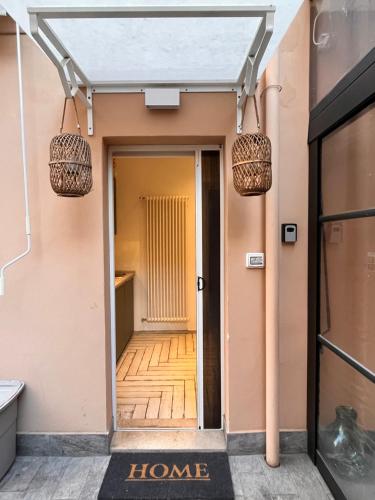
{"points": [[245, 301], [54, 326]]}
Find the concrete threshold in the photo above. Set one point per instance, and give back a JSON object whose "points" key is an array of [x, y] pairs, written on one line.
{"points": [[168, 440]]}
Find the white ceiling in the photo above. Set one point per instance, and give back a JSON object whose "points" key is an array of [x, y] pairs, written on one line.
{"points": [[154, 50]]}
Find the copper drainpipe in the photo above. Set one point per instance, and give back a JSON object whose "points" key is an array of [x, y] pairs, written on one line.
{"points": [[271, 100]]}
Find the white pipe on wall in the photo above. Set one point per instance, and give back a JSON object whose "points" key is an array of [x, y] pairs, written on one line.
{"points": [[272, 269], [24, 166]]}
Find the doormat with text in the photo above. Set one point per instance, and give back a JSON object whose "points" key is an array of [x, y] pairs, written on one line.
{"points": [[166, 475]]}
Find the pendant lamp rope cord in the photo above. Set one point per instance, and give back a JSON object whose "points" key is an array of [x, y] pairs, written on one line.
{"points": [[256, 112], [76, 112]]}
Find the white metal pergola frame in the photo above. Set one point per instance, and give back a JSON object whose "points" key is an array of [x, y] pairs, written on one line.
{"points": [[72, 77]]}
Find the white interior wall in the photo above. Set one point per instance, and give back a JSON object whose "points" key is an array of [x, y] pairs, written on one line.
{"points": [[135, 178]]}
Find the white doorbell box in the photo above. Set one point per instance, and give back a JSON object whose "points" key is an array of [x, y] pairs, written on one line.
{"points": [[255, 260]]}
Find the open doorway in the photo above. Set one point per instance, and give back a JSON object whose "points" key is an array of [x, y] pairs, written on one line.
{"points": [[155, 262], [166, 313]]}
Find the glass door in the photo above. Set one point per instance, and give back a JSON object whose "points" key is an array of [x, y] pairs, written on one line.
{"points": [[346, 308]]}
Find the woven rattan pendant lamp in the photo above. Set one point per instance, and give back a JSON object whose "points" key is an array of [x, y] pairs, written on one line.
{"points": [[70, 162], [251, 162]]}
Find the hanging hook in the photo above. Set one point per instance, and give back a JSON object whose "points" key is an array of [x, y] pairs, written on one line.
{"points": [[272, 86]]}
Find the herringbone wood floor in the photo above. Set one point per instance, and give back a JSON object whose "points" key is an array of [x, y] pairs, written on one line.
{"points": [[156, 381]]}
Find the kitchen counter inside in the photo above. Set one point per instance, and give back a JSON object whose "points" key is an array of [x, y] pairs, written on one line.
{"points": [[124, 281]]}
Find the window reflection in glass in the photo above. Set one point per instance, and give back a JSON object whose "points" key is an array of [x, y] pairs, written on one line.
{"points": [[342, 33], [348, 167], [347, 287]]}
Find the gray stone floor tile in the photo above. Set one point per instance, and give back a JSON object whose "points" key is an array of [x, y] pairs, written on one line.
{"points": [[308, 486], [21, 474], [45, 481], [323, 484], [255, 486], [290, 462], [297, 463], [248, 464], [74, 479], [11, 495], [94, 478], [280, 478], [281, 483], [236, 479], [285, 497]]}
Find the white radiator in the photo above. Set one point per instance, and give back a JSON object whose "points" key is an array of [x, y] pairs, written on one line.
{"points": [[166, 258]]}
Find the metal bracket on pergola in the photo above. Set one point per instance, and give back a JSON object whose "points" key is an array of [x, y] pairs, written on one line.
{"points": [[73, 78], [67, 68]]}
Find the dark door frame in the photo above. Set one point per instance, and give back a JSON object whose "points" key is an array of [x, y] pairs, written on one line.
{"points": [[352, 94]]}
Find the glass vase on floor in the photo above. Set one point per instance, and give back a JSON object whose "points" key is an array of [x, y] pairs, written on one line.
{"points": [[345, 445]]}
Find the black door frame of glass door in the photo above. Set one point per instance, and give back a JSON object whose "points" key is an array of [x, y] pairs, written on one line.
{"points": [[351, 95]]}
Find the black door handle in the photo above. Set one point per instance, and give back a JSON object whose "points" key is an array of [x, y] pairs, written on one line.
{"points": [[201, 283]]}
